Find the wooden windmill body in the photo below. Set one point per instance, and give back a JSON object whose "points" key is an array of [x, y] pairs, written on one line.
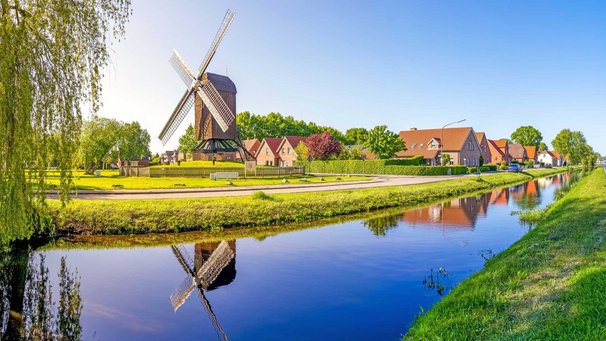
{"points": [[213, 97]]}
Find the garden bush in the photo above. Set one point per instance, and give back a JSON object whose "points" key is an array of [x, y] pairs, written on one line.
{"points": [[392, 167]]}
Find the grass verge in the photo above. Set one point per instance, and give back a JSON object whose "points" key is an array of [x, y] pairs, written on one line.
{"points": [[111, 180], [548, 285], [175, 215]]}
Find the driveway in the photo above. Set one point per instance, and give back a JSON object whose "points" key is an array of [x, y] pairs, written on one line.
{"points": [[375, 182]]}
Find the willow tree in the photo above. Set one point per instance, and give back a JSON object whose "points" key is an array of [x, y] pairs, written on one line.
{"points": [[52, 54]]}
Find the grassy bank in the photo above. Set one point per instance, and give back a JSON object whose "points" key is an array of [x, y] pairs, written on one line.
{"points": [[147, 216], [111, 180], [549, 285]]}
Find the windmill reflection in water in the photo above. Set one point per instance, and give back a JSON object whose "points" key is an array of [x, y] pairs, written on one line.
{"points": [[214, 265]]}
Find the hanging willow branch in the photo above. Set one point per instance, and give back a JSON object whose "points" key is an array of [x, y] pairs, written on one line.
{"points": [[52, 53]]}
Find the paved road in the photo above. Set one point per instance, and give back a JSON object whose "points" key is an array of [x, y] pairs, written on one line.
{"points": [[377, 181]]}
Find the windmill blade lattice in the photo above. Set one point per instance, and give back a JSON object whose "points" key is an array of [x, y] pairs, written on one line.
{"points": [[184, 72], [229, 17], [216, 105], [178, 115]]}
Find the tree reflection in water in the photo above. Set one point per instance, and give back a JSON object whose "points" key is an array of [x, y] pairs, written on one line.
{"points": [[27, 308], [381, 224]]}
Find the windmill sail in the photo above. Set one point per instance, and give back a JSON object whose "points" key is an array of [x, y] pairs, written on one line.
{"points": [[178, 115], [229, 17], [217, 261], [184, 72], [216, 105]]}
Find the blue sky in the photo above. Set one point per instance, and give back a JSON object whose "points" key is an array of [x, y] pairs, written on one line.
{"points": [[498, 64]]}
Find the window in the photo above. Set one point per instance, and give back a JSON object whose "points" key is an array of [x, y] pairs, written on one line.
{"points": [[421, 145], [451, 162], [413, 145], [267, 151], [288, 150]]}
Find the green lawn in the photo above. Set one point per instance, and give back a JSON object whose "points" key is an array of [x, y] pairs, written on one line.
{"points": [[172, 215], [549, 285], [110, 179]]}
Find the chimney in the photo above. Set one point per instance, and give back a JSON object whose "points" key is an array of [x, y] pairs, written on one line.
{"points": [[413, 128]]}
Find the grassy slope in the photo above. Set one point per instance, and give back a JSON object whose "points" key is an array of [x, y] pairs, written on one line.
{"points": [[143, 216], [548, 285], [110, 178]]}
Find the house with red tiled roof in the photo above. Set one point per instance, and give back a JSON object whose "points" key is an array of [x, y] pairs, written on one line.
{"points": [[560, 160], [484, 148], [517, 152], [460, 143], [267, 153], [286, 150], [501, 145], [531, 153], [251, 145]]}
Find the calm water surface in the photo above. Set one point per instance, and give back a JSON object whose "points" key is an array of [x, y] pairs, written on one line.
{"points": [[363, 280]]}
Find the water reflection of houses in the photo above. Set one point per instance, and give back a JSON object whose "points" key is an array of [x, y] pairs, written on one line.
{"points": [[462, 212], [213, 265]]}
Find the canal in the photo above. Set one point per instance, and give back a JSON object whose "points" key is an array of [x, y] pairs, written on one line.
{"points": [[363, 279]]}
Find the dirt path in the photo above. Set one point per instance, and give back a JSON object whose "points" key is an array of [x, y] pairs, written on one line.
{"points": [[377, 181]]}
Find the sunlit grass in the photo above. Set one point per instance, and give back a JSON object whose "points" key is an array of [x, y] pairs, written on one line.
{"points": [[549, 285], [111, 179]]}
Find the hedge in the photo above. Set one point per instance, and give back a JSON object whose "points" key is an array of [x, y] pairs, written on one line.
{"points": [[483, 169], [392, 167]]}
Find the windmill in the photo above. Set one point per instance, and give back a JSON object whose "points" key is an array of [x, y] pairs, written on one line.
{"points": [[214, 265], [213, 98]]}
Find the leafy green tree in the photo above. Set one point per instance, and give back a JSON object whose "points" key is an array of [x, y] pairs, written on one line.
{"points": [[383, 143], [98, 139], [302, 152], [355, 136], [527, 136], [542, 147], [52, 55], [133, 142], [572, 144], [188, 142], [276, 125], [352, 153], [445, 159]]}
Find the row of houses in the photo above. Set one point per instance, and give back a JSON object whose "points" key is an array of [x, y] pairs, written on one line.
{"points": [[465, 147]]}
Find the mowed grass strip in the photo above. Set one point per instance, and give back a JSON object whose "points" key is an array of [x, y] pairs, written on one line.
{"points": [[549, 285], [111, 180], [147, 216]]}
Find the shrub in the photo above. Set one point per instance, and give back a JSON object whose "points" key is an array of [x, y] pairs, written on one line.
{"points": [[260, 195], [491, 168], [392, 167]]}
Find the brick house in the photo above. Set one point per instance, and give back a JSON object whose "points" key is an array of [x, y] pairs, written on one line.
{"points": [[531, 153], [267, 153], [501, 145], [484, 148], [286, 150], [460, 143], [517, 152]]}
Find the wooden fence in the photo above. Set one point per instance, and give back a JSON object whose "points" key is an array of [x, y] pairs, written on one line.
{"points": [[190, 172]]}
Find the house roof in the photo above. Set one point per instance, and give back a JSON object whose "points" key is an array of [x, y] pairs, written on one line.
{"points": [[492, 145], [546, 152], [252, 145], [479, 136], [531, 151], [516, 150], [453, 140], [221, 83], [502, 143], [294, 140], [272, 143]]}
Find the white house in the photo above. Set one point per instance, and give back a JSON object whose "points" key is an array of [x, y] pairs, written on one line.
{"points": [[547, 158]]}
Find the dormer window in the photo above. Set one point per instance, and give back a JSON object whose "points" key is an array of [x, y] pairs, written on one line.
{"points": [[421, 145]]}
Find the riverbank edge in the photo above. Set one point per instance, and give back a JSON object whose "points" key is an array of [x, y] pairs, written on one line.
{"points": [[212, 214], [548, 285]]}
